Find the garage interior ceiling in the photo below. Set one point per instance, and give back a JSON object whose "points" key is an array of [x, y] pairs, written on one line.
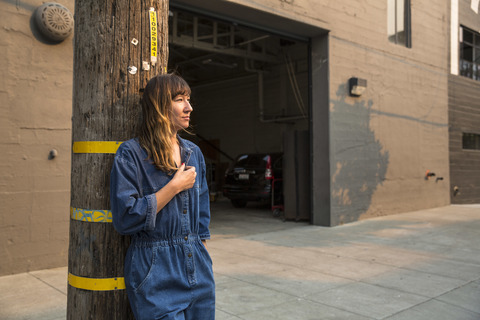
{"points": [[205, 50]]}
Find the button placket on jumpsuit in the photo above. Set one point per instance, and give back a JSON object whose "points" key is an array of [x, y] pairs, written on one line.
{"points": [[168, 272], [187, 247]]}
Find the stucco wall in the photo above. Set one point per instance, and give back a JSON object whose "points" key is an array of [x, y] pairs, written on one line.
{"points": [[35, 102]]}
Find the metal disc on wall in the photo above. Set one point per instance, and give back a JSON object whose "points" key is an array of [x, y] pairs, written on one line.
{"points": [[54, 21]]}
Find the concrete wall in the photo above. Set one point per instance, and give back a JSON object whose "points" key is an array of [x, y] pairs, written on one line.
{"points": [[382, 143], [466, 16], [464, 116], [36, 103]]}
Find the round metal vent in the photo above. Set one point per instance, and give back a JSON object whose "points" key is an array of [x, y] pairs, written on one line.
{"points": [[54, 21]]}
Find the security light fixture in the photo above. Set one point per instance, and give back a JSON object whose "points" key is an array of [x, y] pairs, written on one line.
{"points": [[357, 86], [54, 21]]}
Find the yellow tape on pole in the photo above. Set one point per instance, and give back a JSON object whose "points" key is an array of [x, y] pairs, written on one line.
{"points": [[153, 36], [88, 215], [96, 146], [96, 284]]}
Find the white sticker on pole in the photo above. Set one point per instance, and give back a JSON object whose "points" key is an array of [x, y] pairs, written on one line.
{"points": [[153, 36]]}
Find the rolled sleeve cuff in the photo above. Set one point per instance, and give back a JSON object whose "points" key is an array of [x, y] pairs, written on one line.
{"points": [[204, 236], [151, 212]]}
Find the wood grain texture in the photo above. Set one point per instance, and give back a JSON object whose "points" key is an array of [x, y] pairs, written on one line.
{"points": [[106, 108]]}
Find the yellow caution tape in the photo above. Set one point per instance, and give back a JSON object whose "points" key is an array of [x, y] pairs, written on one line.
{"points": [[96, 146], [96, 284], [90, 215], [153, 35]]}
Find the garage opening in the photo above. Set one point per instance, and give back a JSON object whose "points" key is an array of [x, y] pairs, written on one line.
{"points": [[250, 95]]}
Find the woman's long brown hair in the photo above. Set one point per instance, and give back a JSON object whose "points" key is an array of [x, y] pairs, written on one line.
{"points": [[157, 130]]}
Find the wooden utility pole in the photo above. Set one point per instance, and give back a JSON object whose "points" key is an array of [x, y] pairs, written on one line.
{"points": [[118, 46]]}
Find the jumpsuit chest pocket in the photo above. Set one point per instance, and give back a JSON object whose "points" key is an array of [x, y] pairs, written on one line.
{"points": [[156, 182]]}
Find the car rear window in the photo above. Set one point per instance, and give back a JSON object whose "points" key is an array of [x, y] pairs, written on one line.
{"points": [[251, 160]]}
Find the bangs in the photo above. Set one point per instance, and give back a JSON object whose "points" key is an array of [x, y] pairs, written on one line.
{"points": [[180, 87]]}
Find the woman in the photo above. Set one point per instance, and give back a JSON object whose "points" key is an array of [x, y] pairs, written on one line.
{"points": [[159, 195]]}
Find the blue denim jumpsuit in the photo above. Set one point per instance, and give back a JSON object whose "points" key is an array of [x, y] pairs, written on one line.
{"points": [[168, 271]]}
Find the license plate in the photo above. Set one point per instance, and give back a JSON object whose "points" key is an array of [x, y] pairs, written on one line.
{"points": [[243, 176]]}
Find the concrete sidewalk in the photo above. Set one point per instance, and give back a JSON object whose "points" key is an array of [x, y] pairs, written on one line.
{"points": [[417, 265]]}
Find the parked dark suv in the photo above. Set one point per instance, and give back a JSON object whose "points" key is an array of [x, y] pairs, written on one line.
{"points": [[251, 177]]}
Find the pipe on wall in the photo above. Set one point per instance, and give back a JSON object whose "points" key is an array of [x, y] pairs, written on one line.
{"points": [[261, 105]]}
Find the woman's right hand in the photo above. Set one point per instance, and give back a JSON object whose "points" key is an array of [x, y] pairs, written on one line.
{"points": [[184, 178]]}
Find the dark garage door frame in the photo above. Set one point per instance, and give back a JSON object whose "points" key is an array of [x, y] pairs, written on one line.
{"points": [[318, 85]]}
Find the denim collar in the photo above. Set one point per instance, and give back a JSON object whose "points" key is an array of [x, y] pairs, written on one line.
{"points": [[185, 149]]}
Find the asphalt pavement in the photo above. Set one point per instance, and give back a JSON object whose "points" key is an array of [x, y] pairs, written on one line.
{"points": [[416, 265]]}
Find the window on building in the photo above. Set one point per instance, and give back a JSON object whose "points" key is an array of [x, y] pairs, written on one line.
{"points": [[469, 53], [471, 141], [399, 22]]}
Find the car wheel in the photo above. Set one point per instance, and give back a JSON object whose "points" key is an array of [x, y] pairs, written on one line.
{"points": [[239, 203]]}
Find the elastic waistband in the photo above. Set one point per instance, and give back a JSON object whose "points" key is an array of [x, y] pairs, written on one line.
{"points": [[153, 242]]}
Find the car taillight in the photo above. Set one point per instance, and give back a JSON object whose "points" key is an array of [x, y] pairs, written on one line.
{"points": [[268, 169]]}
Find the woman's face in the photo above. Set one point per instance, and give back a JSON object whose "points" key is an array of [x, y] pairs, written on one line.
{"points": [[181, 112]]}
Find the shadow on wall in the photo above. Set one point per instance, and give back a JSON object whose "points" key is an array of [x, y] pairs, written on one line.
{"points": [[38, 35], [359, 163]]}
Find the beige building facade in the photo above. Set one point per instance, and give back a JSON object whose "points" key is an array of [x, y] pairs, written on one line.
{"points": [[464, 103], [369, 155], [36, 107]]}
